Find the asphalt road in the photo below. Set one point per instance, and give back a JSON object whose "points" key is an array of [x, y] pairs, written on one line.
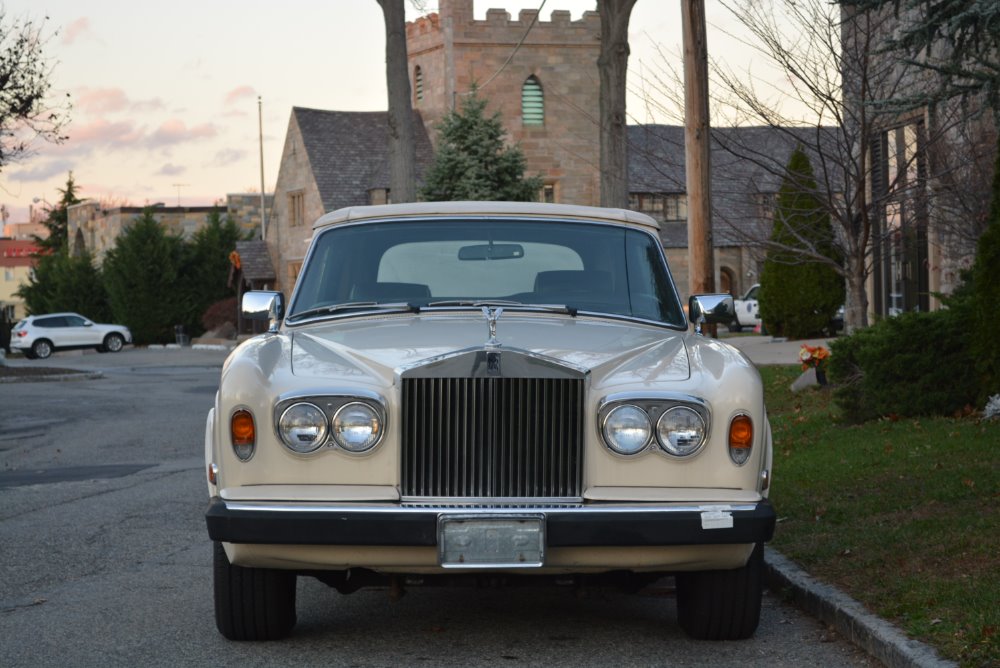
{"points": [[106, 560]]}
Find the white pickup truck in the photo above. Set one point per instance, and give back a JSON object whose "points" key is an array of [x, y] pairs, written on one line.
{"points": [[747, 310]]}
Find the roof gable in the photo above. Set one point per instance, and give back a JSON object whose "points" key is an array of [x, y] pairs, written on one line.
{"points": [[349, 152]]}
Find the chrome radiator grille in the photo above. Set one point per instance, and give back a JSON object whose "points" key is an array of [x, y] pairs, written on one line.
{"points": [[492, 437]]}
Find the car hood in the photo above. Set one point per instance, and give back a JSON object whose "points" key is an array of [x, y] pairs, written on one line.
{"points": [[382, 347]]}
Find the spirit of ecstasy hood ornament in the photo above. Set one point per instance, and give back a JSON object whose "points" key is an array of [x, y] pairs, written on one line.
{"points": [[492, 315]]}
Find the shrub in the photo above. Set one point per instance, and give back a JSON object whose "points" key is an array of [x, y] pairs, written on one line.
{"points": [[913, 364], [219, 313]]}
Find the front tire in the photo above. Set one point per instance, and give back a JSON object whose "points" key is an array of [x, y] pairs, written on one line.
{"points": [[735, 327], [722, 605], [252, 603], [113, 343], [41, 349]]}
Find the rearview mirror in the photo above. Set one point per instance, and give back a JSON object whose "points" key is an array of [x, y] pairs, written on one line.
{"points": [[491, 252]]}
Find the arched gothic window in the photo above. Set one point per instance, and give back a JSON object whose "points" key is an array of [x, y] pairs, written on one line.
{"points": [[532, 102]]}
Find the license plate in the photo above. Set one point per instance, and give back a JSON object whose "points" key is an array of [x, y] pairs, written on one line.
{"points": [[491, 542]]}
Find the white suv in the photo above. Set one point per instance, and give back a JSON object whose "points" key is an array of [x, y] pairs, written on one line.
{"points": [[37, 336]]}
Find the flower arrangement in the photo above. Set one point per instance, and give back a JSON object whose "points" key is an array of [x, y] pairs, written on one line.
{"points": [[814, 356]]}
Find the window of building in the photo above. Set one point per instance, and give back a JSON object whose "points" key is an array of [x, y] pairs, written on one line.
{"points": [[765, 205], [8, 275], [418, 84], [899, 189], [675, 208], [665, 207], [532, 102], [548, 194], [296, 208]]}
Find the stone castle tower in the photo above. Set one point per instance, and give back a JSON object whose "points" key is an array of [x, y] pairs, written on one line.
{"points": [[547, 94]]}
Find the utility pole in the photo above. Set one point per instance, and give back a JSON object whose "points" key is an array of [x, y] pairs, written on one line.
{"points": [[263, 198], [697, 144]]}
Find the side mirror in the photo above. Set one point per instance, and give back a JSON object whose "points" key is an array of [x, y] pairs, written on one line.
{"points": [[717, 308], [264, 305]]}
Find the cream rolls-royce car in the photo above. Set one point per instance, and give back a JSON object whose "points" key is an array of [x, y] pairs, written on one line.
{"points": [[492, 391]]}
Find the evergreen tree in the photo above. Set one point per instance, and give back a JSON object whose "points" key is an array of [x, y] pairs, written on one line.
{"points": [[57, 221], [61, 282], [143, 274], [986, 296], [959, 40], [206, 267], [799, 298], [472, 161]]}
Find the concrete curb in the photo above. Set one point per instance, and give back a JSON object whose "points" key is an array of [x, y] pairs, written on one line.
{"points": [[53, 378], [874, 635]]}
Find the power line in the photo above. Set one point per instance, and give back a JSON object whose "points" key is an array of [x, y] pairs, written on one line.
{"points": [[516, 48]]}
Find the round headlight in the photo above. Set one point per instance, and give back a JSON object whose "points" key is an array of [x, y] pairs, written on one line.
{"points": [[303, 427], [681, 431], [627, 429], [357, 427]]}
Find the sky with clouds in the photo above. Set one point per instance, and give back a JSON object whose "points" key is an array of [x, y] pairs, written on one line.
{"points": [[165, 95]]}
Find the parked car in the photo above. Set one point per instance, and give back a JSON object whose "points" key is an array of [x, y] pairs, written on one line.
{"points": [[747, 310], [488, 392], [38, 336]]}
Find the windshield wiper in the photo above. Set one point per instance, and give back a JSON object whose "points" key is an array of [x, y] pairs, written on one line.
{"points": [[506, 303], [347, 306]]}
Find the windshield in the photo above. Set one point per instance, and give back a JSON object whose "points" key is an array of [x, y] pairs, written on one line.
{"points": [[582, 266]]}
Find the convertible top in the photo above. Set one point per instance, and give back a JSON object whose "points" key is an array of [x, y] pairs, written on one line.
{"points": [[500, 209]]}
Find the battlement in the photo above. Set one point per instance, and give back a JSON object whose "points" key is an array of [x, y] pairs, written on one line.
{"points": [[498, 27]]}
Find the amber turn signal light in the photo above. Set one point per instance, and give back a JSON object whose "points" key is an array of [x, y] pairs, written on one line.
{"points": [[740, 438], [242, 428], [243, 433]]}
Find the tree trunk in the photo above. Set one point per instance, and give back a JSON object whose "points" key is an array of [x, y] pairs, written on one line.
{"points": [[402, 151], [612, 65], [856, 304]]}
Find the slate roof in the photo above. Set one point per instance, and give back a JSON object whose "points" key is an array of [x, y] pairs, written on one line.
{"points": [[255, 261], [349, 152], [745, 162]]}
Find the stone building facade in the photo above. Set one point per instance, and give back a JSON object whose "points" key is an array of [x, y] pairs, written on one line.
{"points": [[546, 90], [95, 229], [16, 262], [929, 165]]}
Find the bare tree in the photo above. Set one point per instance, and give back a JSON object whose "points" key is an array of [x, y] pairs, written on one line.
{"points": [[612, 66], [828, 102], [402, 151], [25, 112]]}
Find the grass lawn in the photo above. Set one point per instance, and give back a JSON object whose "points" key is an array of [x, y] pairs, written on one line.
{"points": [[902, 514]]}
